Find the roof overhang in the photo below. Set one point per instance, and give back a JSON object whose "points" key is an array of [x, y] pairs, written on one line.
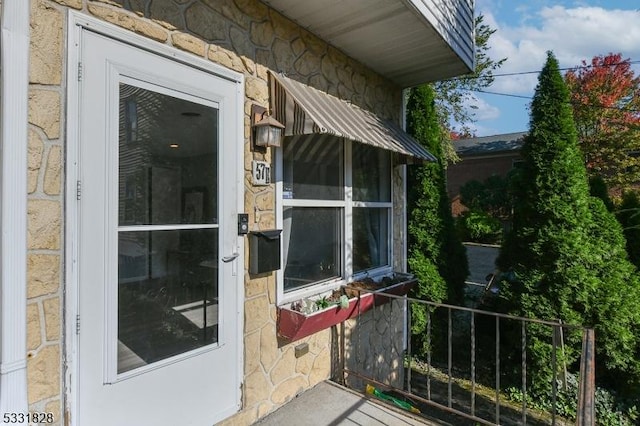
{"points": [[407, 41], [507, 144]]}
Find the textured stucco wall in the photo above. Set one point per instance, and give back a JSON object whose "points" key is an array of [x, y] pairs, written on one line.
{"points": [[243, 35]]}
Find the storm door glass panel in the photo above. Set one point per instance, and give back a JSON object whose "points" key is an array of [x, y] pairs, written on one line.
{"points": [[168, 159], [313, 242], [167, 227]]}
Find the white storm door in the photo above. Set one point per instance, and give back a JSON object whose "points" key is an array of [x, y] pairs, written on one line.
{"points": [[157, 243]]}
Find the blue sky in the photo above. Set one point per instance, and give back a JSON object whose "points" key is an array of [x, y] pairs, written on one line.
{"points": [[573, 29]]}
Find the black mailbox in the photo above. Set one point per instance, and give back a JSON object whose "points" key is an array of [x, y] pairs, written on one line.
{"points": [[264, 251]]}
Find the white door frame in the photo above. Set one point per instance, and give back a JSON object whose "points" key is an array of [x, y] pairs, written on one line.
{"points": [[78, 22], [14, 15]]}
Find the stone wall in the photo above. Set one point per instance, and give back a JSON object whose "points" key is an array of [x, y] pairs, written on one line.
{"points": [[243, 35], [45, 208], [374, 346], [399, 217]]}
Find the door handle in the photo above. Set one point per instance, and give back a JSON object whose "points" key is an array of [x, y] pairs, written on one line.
{"points": [[227, 259]]}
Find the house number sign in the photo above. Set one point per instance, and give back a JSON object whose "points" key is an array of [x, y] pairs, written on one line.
{"points": [[261, 173]]}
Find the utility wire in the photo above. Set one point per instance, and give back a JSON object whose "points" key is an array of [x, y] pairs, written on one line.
{"points": [[502, 94], [573, 103], [512, 74]]}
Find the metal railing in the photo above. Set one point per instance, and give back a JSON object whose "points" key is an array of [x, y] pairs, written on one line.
{"points": [[449, 329]]}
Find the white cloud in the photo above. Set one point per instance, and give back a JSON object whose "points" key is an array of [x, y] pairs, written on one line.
{"points": [[482, 109], [483, 112], [573, 34], [480, 130]]}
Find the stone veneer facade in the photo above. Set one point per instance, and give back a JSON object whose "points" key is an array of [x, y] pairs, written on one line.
{"points": [[243, 35], [374, 346]]}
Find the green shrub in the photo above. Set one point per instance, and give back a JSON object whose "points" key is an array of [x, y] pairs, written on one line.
{"points": [[492, 196], [610, 409], [479, 227], [629, 217], [566, 250], [598, 188], [435, 256]]}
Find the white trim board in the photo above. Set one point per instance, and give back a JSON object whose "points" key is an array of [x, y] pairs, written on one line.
{"points": [[13, 206]]}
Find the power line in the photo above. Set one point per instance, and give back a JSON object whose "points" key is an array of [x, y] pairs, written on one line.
{"points": [[502, 94], [569, 68], [512, 74], [573, 103]]}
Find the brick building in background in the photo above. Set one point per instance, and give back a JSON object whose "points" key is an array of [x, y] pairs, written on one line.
{"points": [[481, 158]]}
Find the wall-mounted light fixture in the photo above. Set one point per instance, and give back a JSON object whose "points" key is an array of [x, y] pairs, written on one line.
{"points": [[266, 130]]}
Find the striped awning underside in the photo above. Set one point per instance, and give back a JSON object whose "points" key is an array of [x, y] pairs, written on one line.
{"points": [[305, 110]]}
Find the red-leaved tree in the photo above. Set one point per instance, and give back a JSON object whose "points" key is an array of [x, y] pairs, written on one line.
{"points": [[605, 95]]}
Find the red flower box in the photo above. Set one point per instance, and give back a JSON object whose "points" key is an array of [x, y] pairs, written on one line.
{"points": [[294, 325]]}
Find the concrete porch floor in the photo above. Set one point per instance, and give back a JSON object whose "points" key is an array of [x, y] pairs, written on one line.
{"points": [[329, 404]]}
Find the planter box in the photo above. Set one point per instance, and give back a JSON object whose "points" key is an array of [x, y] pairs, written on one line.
{"points": [[294, 325]]}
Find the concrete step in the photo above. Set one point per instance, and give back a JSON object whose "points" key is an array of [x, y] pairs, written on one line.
{"points": [[331, 404]]}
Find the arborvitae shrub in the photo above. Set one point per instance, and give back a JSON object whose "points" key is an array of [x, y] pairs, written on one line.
{"points": [[566, 251], [629, 217], [435, 255], [479, 227]]}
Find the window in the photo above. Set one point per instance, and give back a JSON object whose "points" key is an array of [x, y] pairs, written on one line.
{"points": [[336, 212], [371, 176], [314, 249]]}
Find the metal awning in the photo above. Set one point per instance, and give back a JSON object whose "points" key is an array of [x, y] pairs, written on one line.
{"points": [[305, 110]]}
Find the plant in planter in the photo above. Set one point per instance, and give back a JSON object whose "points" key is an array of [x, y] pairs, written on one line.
{"points": [[309, 306], [342, 302], [310, 315]]}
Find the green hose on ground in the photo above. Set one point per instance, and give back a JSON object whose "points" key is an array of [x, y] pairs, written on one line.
{"points": [[398, 402]]}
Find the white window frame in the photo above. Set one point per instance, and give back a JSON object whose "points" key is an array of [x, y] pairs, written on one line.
{"points": [[347, 204]]}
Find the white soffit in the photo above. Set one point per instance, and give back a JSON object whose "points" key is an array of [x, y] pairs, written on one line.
{"points": [[408, 41]]}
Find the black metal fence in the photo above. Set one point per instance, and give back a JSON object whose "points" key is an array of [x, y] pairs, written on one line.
{"points": [[469, 359]]}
